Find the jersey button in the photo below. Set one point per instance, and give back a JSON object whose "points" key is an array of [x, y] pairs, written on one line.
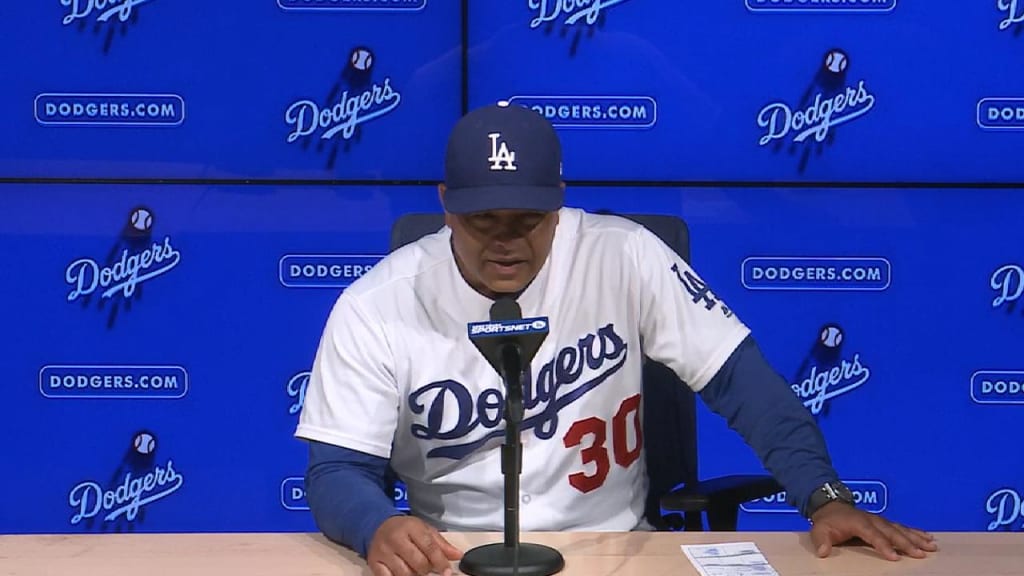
{"points": [[525, 499]]}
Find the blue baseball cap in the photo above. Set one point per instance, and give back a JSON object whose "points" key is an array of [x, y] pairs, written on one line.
{"points": [[503, 156]]}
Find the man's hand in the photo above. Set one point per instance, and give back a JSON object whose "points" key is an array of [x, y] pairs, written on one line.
{"points": [[408, 546], [836, 523]]}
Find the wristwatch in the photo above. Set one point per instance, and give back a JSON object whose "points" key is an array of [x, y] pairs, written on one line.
{"points": [[828, 492]]}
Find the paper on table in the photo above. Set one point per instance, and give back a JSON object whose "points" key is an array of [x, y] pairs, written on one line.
{"points": [[728, 559]]}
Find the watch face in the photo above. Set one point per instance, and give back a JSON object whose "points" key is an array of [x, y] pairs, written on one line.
{"points": [[830, 492], [843, 492]]}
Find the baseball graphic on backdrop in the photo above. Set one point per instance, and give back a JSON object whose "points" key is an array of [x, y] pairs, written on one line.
{"points": [[145, 443], [831, 336], [142, 219], [836, 61], [362, 59]]}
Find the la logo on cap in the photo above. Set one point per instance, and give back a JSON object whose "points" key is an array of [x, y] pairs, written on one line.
{"points": [[501, 157]]}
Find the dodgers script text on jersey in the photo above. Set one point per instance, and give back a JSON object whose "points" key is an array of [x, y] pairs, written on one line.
{"points": [[397, 376]]}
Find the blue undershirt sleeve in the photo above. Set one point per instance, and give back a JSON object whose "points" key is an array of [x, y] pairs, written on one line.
{"points": [[347, 494], [759, 404]]}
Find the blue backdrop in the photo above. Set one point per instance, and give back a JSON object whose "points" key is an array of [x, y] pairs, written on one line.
{"points": [[160, 328], [712, 90], [228, 89]]}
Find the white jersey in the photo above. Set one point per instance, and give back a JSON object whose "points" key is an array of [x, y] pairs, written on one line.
{"points": [[396, 376]]}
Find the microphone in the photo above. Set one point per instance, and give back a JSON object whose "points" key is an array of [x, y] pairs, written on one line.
{"points": [[508, 329], [509, 342]]}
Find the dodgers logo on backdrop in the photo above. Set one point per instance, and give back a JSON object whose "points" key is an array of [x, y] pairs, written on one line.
{"points": [[847, 6], [100, 10], [1011, 12], [815, 273], [590, 14], [113, 381], [1006, 507], [1008, 283], [869, 495], [102, 19], [140, 480], [296, 389], [1001, 113], [293, 495], [67, 109], [569, 12], [829, 101], [324, 270], [574, 371], [589, 112], [827, 373], [997, 387], [136, 259], [357, 97], [353, 5]]}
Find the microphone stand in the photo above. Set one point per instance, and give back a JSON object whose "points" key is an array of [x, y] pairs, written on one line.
{"points": [[512, 558]]}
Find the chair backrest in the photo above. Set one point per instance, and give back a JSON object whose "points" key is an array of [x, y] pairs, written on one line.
{"points": [[669, 406], [411, 227]]}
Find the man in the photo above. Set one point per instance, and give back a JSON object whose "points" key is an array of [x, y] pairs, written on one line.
{"points": [[397, 381]]}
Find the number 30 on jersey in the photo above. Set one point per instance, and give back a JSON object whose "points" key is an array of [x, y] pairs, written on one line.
{"points": [[591, 434]]}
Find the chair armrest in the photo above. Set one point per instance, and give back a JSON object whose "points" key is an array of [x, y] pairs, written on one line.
{"points": [[720, 498], [721, 491]]}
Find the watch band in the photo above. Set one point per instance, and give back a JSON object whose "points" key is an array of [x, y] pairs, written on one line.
{"points": [[833, 491]]}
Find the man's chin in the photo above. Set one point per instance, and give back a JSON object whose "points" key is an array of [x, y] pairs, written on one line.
{"points": [[506, 287]]}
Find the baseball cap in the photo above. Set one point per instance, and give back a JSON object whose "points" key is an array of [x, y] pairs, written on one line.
{"points": [[503, 156]]}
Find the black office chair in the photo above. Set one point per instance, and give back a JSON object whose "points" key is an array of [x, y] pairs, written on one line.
{"points": [[677, 496]]}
